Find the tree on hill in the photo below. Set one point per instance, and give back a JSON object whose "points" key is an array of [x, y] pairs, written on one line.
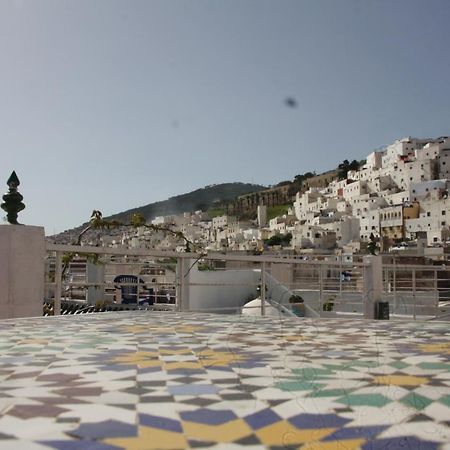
{"points": [[345, 166], [299, 179], [279, 239]]}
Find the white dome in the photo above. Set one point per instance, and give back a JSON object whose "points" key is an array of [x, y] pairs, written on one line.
{"points": [[253, 308]]}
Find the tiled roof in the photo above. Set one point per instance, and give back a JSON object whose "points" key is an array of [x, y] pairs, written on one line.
{"points": [[162, 380]]}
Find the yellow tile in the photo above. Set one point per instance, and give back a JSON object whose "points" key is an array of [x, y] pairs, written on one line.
{"points": [[439, 347], [172, 365], [401, 380], [151, 439], [136, 329], [140, 359], [283, 433], [227, 432], [211, 358], [189, 328], [182, 351], [346, 444], [156, 329]]}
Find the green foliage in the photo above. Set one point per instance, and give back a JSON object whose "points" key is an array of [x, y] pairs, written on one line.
{"points": [[328, 305], [298, 182], [216, 212], [137, 220], [372, 246], [283, 183], [295, 299], [279, 239], [345, 166], [302, 177], [274, 211], [205, 265]]}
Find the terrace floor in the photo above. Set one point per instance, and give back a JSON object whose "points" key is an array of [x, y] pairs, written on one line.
{"points": [[162, 380]]}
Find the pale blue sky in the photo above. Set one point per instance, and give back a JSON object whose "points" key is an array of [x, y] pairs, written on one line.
{"points": [[114, 104]]}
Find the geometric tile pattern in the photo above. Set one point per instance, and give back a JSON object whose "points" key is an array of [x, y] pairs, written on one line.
{"points": [[145, 380]]}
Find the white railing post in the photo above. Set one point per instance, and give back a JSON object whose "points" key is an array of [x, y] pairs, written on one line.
{"points": [[263, 288], [436, 293], [184, 277], [320, 289], [58, 284], [414, 292], [395, 286], [95, 273], [373, 285]]}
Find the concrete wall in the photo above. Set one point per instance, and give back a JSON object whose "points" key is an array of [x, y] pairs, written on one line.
{"points": [[231, 289], [22, 271]]}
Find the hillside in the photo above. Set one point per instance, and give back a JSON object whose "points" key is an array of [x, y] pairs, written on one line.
{"points": [[212, 196], [203, 198]]}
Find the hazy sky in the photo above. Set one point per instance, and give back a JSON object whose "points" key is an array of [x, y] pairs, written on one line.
{"points": [[111, 104]]}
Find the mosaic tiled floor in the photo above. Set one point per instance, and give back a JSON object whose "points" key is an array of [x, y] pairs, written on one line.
{"points": [[149, 380]]}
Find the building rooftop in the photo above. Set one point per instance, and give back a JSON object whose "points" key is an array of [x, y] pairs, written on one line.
{"points": [[162, 380]]}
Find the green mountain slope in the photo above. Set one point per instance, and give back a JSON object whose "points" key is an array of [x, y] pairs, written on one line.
{"points": [[203, 198]]}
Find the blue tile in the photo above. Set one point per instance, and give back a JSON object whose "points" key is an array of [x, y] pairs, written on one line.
{"points": [[400, 443], [79, 445], [312, 421], [262, 419], [105, 429], [163, 423], [208, 416], [355, 433]]}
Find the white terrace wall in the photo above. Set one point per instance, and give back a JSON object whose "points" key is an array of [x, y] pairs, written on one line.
{"points": [[227, 289], [22, 271]]}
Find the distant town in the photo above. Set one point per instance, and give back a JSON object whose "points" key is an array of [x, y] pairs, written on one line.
{"points": [[396, 199]]}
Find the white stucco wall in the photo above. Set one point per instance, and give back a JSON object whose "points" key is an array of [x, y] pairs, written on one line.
{"points": [[228, 288], [22, 271]]}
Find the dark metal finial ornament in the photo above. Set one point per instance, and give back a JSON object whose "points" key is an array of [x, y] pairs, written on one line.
{"points": [[12, 200]]}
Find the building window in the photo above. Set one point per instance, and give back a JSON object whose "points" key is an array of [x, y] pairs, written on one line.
{"points": [[443, 212], [443, 223], [428, 214]]}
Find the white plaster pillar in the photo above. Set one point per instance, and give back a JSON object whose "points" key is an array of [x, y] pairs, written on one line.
{"points": [[184, 286], [373, 285], [22, 271], [95, 273]]}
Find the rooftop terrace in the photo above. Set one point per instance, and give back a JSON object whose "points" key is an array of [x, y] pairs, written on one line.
{"points": [[163, 380]]}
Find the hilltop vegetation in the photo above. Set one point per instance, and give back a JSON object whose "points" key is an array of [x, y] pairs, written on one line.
{"points": [[209, 197]]}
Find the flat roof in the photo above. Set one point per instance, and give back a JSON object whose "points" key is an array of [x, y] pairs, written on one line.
{"points": [[160, 380]]}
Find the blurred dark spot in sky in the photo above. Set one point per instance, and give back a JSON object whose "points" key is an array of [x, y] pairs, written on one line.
{"points": [[291, 102]]}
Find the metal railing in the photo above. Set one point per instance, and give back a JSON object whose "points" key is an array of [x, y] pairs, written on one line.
{"points": [[225, 282], [417, 290]]}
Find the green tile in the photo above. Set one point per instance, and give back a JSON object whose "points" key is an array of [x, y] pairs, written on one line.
{"points": [[416, 401], [376, 400], [26, 349], [297, 386], [329, 393], [368, 364], [399, 365], [310, 373], [445, 400], [434, 366]]}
